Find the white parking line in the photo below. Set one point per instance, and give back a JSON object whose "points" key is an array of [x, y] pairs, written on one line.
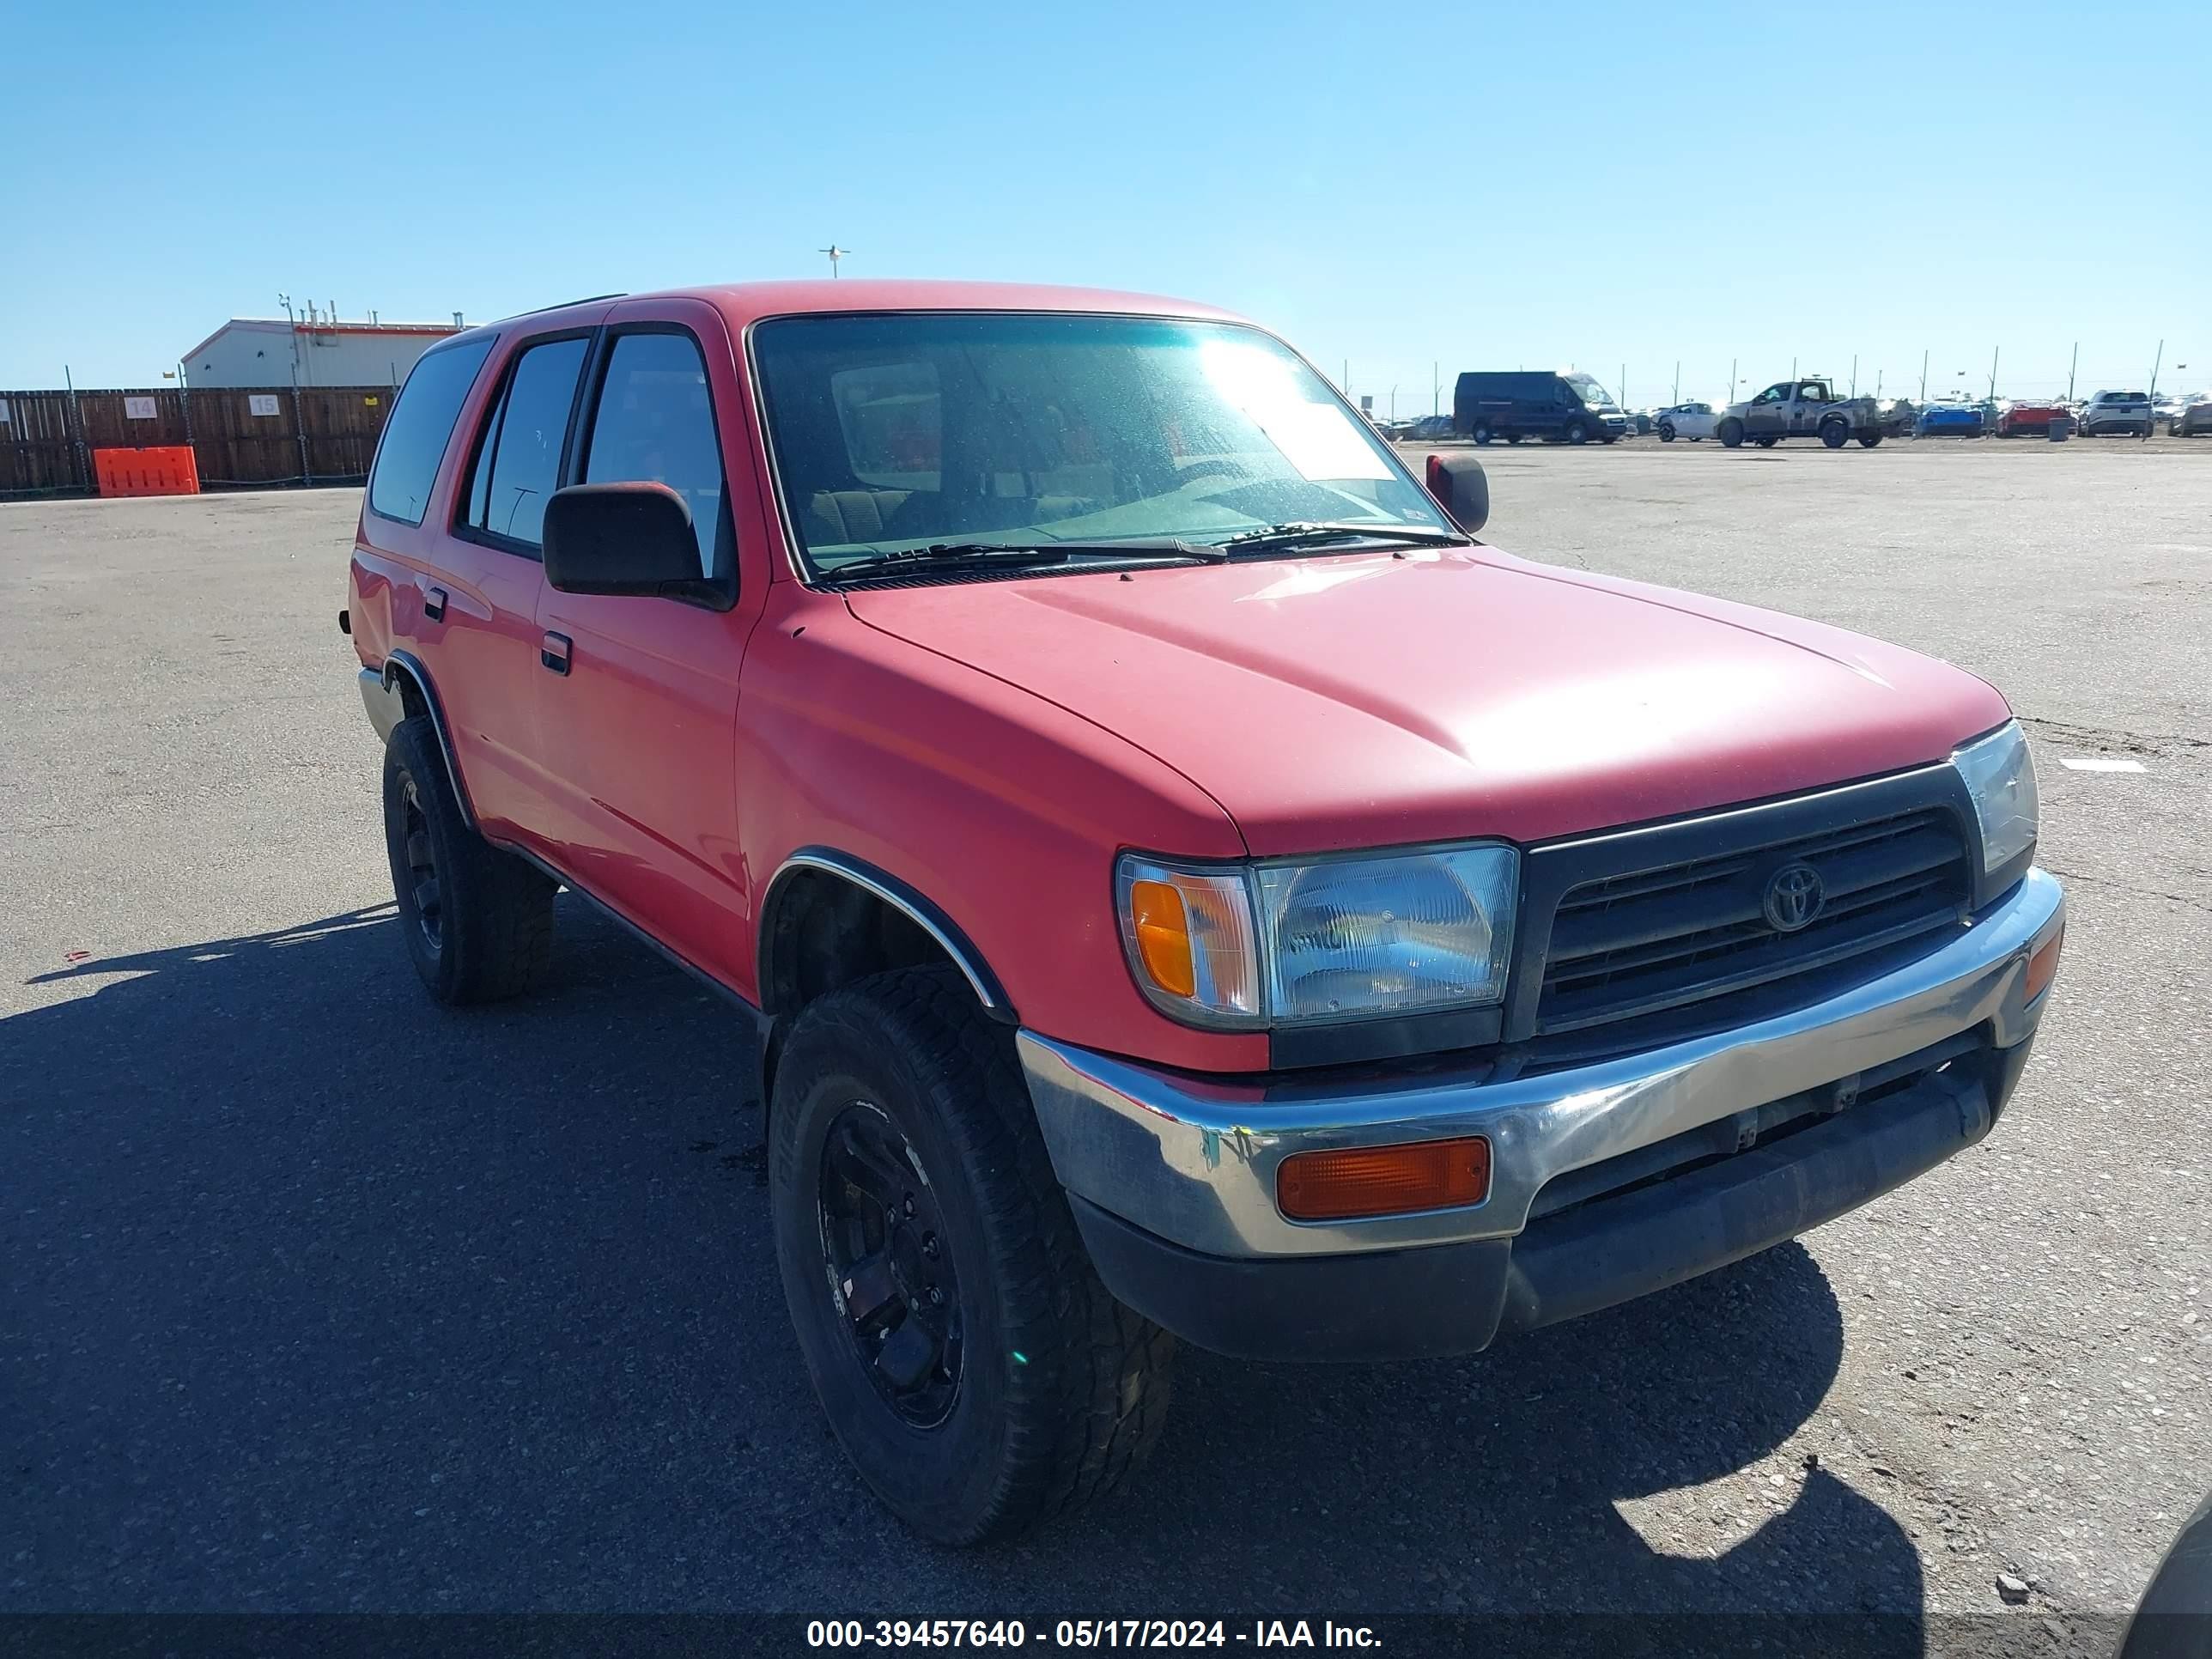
{"points": [[2101, 764]]}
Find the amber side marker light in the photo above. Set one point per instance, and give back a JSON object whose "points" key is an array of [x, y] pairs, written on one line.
{"points": [[1162, 924], [1367, 1180], [2041, 967]]}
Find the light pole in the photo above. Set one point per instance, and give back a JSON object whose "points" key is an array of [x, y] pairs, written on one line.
{"points": [[836, 254]]}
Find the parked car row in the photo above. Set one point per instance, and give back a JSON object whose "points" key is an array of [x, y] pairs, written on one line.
{"points": [[2110, 414], [1573, 408]]}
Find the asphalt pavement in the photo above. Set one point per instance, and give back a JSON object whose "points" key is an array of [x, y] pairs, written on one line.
{"points": [[313, 1297]]}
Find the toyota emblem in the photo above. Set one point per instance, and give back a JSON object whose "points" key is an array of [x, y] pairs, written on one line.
{"points": [[1794, 896]]}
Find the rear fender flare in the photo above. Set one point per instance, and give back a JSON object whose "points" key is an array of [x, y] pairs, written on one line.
{"points": [[403, 669]]}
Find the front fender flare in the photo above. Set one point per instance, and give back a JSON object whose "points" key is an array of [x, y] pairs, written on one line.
{"points": [[917, 907]]}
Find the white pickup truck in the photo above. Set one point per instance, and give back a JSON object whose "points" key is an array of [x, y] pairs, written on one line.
{"points": [[1804, 409]]}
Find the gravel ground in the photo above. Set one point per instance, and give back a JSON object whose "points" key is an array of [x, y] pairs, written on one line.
{"points": [[317, 1299]]}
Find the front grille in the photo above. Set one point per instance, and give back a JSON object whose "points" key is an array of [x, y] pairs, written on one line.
{"points": [[1674, 948]]}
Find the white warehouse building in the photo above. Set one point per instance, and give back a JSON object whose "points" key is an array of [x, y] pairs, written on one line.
{"points": [[277, 351]]}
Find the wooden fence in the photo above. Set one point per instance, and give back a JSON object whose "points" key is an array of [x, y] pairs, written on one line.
{"points": [[314, 435]]}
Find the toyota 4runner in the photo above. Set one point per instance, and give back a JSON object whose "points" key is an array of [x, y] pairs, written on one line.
{"points": [[1184, 883]]}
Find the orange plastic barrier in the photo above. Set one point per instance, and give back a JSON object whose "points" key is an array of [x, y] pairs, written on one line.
{"points": [[170, 470]]}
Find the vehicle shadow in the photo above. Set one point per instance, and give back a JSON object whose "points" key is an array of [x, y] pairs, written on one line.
{"points": [[324, 1298]]}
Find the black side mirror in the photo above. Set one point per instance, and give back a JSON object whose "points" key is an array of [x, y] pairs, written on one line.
{"points": [[624, 538], [1461, 488]]}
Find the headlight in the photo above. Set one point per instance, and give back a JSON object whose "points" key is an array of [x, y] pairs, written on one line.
{"points": [[1351, 938], [1999, 776]]}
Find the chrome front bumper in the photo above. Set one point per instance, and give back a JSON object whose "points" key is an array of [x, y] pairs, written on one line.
{"points": [[1193, 1161]]}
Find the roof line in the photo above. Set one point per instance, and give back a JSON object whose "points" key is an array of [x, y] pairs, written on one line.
{"points": [[540, 310]]}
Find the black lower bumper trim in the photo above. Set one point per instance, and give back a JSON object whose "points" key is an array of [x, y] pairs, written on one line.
{"points": [[1385, 1304], [1457, 1298]]}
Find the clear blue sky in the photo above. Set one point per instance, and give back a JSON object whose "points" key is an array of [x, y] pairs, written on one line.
{"points": [[1531, 185]]}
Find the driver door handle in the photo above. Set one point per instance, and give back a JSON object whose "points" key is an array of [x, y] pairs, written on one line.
{"points": [[553, 653]]}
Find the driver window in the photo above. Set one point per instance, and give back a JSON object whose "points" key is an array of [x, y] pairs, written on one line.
{"points": [[1774, 394], [1564, 395], [656, 421]]}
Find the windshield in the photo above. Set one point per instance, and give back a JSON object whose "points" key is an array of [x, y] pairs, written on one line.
{"points": [[1029, 430], [1593, 395]]}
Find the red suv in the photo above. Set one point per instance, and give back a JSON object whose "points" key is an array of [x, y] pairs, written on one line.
{"points": [[1183, 881]]}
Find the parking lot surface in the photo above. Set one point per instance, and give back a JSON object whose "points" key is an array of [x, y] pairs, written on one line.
{"points": [[313, 1296]]}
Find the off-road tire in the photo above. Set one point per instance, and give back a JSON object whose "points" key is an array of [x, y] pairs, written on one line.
{"points": [[1868, 440], [1731, 432], [1835, 434], [1061, 1390], [491, 935]]}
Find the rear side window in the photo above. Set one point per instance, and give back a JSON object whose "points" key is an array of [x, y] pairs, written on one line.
{"points": [[519, 457], [656, 422], [414, 438]]}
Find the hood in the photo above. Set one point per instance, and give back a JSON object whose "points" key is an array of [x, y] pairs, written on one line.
{"points": [[1367, 699]]}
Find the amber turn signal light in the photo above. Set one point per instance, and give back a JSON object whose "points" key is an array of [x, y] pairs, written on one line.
{"points": [[2041, 967], [1369, 1180], [1162, 926]]}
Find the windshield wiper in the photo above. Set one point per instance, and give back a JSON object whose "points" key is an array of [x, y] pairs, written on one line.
{"points": [[1276, 536], [941, 555]]}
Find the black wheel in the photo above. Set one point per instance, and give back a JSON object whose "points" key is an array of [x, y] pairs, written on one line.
{"points": [[1868, 440], [1666, 432], [479, 922], [977, 1371], [1481, 434], [1835, 434], [1767, 439], [1512, 437], [1576, 432], [1731, 432]]}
